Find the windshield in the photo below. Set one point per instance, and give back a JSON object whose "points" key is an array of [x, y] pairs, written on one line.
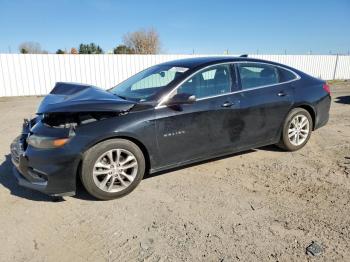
{"points": [[147, 83]]}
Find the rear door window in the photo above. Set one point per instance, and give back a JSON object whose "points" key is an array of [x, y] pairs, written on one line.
{"points": [[255, 75]]}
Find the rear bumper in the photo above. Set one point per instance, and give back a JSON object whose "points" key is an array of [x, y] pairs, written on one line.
{"points": [[322, 112]]}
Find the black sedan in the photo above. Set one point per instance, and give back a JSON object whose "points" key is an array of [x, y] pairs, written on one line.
{"points": [[168, 115]]}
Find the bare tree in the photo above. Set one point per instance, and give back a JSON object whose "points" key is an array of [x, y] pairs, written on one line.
{"points": [[144, 41], [74, 51], [31, 48]]}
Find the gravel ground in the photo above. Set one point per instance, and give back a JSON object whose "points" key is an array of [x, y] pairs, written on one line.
{"points": [[260, 205]]}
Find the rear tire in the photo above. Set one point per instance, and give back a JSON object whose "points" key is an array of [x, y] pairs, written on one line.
{"points": [[296, 130], [112, 168]]}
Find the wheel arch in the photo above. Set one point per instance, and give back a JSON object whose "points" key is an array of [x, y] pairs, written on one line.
{"points": [[142, 147], [310, 110]]}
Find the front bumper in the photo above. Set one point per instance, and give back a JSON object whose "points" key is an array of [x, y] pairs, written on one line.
{"points": [[24, 179], [52, 172]]}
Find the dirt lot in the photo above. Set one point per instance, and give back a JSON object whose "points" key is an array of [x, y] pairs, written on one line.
{"points": [[261, 205]]}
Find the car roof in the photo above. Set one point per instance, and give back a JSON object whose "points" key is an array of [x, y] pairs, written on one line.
{"points": [[207, 60], [198, 62]]}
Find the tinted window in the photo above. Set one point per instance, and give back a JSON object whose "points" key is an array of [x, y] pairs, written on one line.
{"points": [[285, 75], [255, 75], [209, 82]]}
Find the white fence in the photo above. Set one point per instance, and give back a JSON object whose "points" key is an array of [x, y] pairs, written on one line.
{"points": [[22, 75]]}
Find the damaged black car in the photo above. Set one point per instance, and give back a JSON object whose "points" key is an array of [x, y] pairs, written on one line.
{"points": [[166, 116]]}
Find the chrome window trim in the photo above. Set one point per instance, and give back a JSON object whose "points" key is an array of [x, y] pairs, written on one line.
{"points": [[166, 97]]}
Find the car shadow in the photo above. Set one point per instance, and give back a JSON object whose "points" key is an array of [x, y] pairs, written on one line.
{"points": [[342, 100], [271, 148], [8, 181], [81, 192]]}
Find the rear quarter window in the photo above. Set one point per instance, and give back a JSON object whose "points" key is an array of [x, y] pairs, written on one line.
{"points": [[286, 75]]}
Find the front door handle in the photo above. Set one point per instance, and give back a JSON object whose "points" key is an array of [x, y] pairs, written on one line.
{"points": [[227, 104], [281, 93]]}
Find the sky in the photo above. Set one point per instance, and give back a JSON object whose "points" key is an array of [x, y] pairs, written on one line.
{"points": [[202, 27]]}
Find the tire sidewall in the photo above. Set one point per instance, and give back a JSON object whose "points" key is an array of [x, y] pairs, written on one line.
{"points": [[90, 158], [285, 139]]}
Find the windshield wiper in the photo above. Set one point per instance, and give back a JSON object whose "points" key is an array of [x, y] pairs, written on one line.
{"points": [[122, 97], [127, 98]]}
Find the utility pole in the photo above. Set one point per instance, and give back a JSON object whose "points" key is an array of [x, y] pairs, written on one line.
{"points": [[335, 66]]}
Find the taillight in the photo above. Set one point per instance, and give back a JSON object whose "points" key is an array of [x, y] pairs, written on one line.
{"points": [[326, 88]]}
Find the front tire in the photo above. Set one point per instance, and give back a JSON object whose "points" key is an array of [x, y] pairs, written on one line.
{"points": [[112, 168], [297, 130]]}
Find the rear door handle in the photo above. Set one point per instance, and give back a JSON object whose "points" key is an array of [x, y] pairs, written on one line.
{"points": [[227, 104], [281, 93]]}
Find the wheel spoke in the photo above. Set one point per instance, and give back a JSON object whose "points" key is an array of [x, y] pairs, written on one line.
{"points": [[132, 164], [128, 159], [101, 172], [111, 183], [295, 139], [102, 165], [104, 181], [128, 177], [303, 122], [121, 180], [292, 134], [110, 156], [302, 135], [118, 156]]}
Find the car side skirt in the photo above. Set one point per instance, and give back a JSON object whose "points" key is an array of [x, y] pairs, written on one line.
{"points": [[211, 156]]}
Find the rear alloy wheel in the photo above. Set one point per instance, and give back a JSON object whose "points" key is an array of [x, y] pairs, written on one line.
{"points": [[296, 130], [299, 129], [112, 168]]}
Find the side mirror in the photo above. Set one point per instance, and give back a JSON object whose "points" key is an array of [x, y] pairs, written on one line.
{"points": [[181, 99]]}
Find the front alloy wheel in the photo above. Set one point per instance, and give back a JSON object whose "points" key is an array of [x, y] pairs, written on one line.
{"points": [[115, 170], [112, 168]]}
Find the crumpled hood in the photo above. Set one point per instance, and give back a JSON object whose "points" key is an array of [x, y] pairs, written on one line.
{"points": [[71, 97]]}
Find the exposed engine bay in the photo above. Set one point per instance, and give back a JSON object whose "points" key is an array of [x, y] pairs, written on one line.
{"points": [[69, 120]]}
